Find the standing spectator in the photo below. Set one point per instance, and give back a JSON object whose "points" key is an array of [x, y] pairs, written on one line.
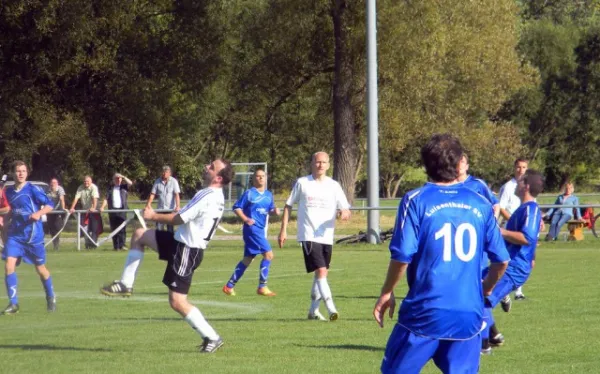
{"points": [[319, 200], [442, 230], [89, 195], [116, 198], [166, 188], [509, 202], [3, 204], [55, 221], [560, 216]]}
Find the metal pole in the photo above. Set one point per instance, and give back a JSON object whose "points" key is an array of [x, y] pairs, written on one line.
{"points": [[78, 231], [373, 129]]}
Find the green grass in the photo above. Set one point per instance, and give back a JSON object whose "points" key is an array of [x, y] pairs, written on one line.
{"points": [[554, 331]]}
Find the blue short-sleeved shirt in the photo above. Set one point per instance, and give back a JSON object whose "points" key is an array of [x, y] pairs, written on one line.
{"points": [[23, 203]]}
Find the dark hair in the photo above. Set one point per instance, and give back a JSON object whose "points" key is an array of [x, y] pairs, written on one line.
{"points": [[257, 170], [441, 156], [227, 173], [521, 159], [535, 180], [19, 163]]}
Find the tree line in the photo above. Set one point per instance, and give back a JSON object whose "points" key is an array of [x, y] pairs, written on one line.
{"points": [[95, 87]]}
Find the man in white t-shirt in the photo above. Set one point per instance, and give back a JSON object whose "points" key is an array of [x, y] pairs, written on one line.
{"points": [[183, 250], [319, 199], [509, 202]]}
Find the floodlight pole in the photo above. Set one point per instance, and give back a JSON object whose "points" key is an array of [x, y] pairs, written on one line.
{"points": [[372, 125]]}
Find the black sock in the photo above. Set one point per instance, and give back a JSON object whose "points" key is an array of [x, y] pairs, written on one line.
{"points": [[485, 344], [494, 331]]}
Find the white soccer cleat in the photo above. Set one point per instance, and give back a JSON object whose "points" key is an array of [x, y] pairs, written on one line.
{"points": [[317, 316]]}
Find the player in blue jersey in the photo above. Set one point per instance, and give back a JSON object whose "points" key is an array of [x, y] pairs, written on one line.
{"points": [[254, 207], [441, 232], [27, 205], [521, 236], [479, 186]]}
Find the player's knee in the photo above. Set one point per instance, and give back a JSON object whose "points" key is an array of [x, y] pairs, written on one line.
{"points": [[269, 255], [178, 303], [42, 271]]}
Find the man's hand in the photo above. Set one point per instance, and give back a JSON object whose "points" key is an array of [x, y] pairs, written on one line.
{"points": [[276, 211], [148, 213], [177, 209], [249, 222], [386, 301], [92, 210], [281, 239], [35, 216], [345, 214], [72, 210]]}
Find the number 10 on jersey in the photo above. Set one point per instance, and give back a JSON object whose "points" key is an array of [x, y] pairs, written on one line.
{"points": [[457, 246]]}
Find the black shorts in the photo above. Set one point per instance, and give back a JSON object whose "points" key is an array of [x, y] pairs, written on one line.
{"points": [[181, 261], [316, 255]]}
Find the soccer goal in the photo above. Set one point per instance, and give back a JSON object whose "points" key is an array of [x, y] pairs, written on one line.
{"points": [[242, 180]]}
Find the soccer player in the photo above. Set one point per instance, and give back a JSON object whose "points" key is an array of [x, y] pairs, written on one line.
{"points": [[183, 250], [509, 202], [441, 232], [27, 205], [319, 200], [521, 236], [254, 207]]}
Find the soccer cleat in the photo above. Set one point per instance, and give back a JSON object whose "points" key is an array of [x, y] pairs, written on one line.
{"points": [[333, 316], [520, 297], [506, 303], [265, 291], [228, 291], [50, 304], [486, 351], [10, 310], [497, 340], [210, 346], [317, 316], [116, 288]]}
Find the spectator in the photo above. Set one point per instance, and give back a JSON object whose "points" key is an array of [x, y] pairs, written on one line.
{"points": [[3, 204], [559, 216], [166, 188], [89, 195], [116, 198], [55, 221]]}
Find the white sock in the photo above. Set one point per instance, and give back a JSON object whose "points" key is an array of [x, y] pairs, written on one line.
{"points": [[133, 261], [198, 323], [326, 294], [315, 298], [519, 291]]}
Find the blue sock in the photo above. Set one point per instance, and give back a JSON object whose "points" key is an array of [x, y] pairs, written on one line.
{"points": [[489, 319], [11, 287], [237, 274], [265, 265], [48, 287]]}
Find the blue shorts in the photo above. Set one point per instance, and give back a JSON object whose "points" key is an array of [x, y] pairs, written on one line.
{"points": [[34, 254], [255, 245], [504, 286], [407, 353]]}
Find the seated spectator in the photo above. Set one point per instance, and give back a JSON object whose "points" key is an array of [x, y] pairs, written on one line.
{"points": [[559, 216]]}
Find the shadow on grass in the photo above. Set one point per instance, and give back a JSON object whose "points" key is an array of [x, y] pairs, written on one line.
{"points": [[47, 347], [350, 347]]}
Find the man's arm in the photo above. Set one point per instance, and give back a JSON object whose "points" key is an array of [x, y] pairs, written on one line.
{"points": [[177, 202], [169, 219], [387, 300], [514, 237], [94, 204], [504, 213], [61, 202], [38, 215], [127, 180], [75, 200], [495, 273], [284, 222], [249, 221], [104, 204], [150, 200]]}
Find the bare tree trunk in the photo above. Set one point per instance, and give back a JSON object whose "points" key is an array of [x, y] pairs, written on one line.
{"points": [[345, 140]]}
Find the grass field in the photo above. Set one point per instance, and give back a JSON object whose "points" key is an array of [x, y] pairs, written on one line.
{"points": [[554, 331]]}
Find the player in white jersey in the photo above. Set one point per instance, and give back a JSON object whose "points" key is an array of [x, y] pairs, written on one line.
{"points": [[183, 250], [319, 199], [509, 202]]}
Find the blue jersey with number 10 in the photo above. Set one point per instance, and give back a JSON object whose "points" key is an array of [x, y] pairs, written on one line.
{"points": [[442, 232], [256, 205]]}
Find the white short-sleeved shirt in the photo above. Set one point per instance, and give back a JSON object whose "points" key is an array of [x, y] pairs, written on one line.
{"points": [[318, 202], [201, 216], [508, 199]]}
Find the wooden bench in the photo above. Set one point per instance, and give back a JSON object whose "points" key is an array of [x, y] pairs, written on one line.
{"points": [[576, 229]]}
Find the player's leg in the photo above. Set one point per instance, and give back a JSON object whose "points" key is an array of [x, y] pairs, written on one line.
{"points": [[519, 295], [312, 263], [488, 318], [10, 280], [407, 353], [140, 239], [263, 272], [238, 272], [321, 273], [46, 280], [458, 356], [113, 222]]}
